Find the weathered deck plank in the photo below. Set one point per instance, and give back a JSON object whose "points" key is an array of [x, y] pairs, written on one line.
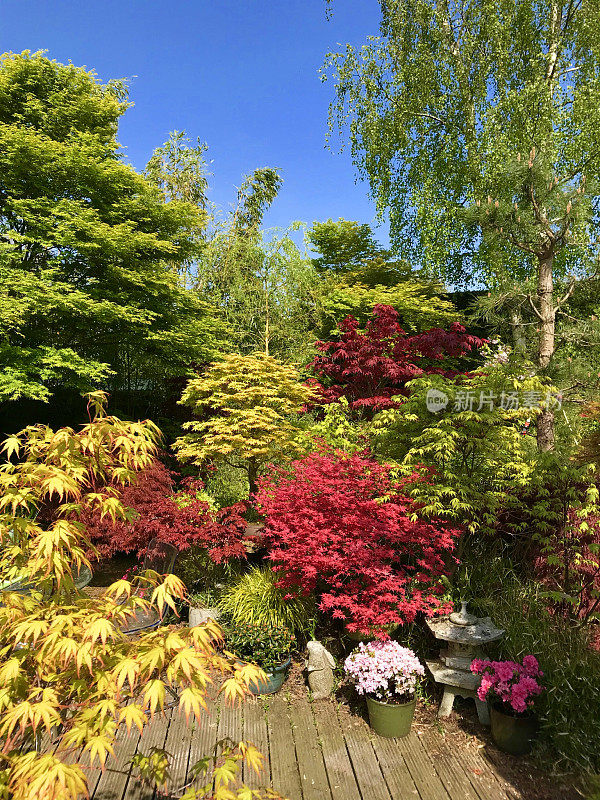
{"points": [[154, 736], [484, 778], [204, 740], [447, 766], [421, 769], [369, 776], [397, 776], [309, 755], [113, 779], [255, 731], [230, 723], [313, 751], [178, 746], [282, 751], [342, 783]]}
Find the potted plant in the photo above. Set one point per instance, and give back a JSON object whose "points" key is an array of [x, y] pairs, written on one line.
{"points": [[203, 607], [268, 646], [387, 674], [510, 689]]}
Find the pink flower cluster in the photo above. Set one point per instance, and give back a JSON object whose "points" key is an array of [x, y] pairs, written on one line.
{"points": [[512, 683], [384, 670]]}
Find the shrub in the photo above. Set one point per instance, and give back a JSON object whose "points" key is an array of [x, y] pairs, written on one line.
{"points": [[513, 684], [201, 574], [336, 428], [67, 668], [245, 406], [339, 526], [266, 645], [182, 519], [257, 599], [568, 709], [480, 461], [568, 564], [369, 368], [385, 671]]}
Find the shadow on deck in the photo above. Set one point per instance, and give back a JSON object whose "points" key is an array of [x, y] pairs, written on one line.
{"points": [[314, 751]]}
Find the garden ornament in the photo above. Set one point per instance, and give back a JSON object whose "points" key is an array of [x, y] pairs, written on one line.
{"points": [[319, 665]]}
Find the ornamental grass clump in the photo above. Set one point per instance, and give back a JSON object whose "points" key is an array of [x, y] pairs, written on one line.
{"points": [[512, 684], [384, 671], [256, 597]]}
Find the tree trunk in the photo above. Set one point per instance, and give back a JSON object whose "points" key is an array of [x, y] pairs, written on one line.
{"points": [[518, 333], [545, 421], [252, 475], [267, 327]]}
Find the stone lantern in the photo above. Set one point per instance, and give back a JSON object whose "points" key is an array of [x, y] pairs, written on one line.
{"points": [[466, 636]]}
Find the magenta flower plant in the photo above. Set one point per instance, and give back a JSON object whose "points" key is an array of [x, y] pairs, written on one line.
{"points": [[385, 671], [514, 685]]}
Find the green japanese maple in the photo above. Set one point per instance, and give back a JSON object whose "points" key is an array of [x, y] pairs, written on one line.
{"points": [[245, 408], [475, 451], [87, 291]]}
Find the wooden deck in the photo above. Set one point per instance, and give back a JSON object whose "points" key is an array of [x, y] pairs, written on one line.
{"points": [[316, 751]]}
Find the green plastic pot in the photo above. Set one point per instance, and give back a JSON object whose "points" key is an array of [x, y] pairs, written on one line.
{"points": [[392, 720], [512, 734], [274, 680]]}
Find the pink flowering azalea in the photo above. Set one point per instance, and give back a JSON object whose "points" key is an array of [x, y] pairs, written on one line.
{"points": [[515, 685], [384, 670]]}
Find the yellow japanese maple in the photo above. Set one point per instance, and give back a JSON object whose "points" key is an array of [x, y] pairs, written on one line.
{"points": [[68, 674], [245, 406]]}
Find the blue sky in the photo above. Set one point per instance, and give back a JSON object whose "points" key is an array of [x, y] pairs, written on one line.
{"points": [[240, 74]]}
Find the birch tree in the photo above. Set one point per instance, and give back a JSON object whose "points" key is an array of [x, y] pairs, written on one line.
{"points": [[475, 122]]}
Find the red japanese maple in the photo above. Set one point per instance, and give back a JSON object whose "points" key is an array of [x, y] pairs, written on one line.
{"points": [[182, 520], [569, 566], [370, 368], [329, 532]]}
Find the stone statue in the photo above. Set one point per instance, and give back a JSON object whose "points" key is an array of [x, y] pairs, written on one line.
{"points": [[319, 666]]}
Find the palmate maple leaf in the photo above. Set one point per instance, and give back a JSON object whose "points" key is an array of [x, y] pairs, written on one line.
{"points": [[372, 563], [369, 368]]}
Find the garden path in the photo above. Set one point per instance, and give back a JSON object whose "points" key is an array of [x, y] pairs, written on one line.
{"points": [[315, 751]]}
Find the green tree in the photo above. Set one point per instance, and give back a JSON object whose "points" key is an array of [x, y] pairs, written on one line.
{"points": [[476, 447], [264, 285], [245, 407], [475, 122], [181, 173], [86, 291], [343, 246], [358, 274]]}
